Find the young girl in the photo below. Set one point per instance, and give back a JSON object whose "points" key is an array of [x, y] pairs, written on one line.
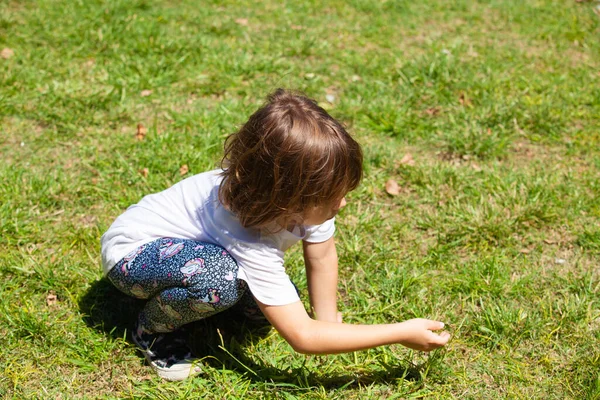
{"points": [[218, 238]]}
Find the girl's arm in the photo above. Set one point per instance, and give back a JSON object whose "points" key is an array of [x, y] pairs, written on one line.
{"points": [[309, 336], [321, 263]]}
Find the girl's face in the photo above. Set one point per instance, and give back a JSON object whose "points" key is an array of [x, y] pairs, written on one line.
{"points": [[318, 215]]}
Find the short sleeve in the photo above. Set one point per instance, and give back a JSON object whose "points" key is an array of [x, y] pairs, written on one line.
{"points": [[320, 233], [265, 275]]}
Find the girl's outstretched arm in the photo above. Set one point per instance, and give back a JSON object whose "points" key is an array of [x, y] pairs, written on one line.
{"points": [[310, 336]]}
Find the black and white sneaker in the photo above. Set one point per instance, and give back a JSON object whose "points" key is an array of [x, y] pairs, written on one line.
{"points": [[167, 353]]}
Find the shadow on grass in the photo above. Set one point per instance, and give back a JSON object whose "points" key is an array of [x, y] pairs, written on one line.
{"points": [[108, 310], [220, 341]]}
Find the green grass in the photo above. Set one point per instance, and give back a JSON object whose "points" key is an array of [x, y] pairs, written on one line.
{"points": [[495, 231]]}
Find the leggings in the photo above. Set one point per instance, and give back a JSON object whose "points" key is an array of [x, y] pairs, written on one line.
{"points": [[183, 281]]}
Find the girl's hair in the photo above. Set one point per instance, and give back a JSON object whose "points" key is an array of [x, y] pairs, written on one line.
{"points": [[290, 156]]}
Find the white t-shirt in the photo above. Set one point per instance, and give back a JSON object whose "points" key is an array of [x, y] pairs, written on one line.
{"points": [[191, 209]]}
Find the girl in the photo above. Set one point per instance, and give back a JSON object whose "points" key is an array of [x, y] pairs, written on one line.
{"points": [[217, 239]]}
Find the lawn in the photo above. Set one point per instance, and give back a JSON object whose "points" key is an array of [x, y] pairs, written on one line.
{"points": [[485, 113]]}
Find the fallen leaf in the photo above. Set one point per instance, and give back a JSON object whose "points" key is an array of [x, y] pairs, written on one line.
{"points": [[407, 160], [7, 53], [183, 169], [560, 261], [464, 101], [476, 167], [146, 93], [549, 241], [141, 132], [51, 299], [242, 21], [525, 251], [144, 172], [310, 75], [392, 188], [330, 98], [297, 27], [432, 111], [355, 78]]}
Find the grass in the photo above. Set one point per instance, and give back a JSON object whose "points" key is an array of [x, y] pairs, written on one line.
{"points": [[495, 230]]}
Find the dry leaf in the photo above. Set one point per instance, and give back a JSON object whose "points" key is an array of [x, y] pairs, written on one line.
{"points": [[144, 172], [51, 299], [297, 27], [146, 93], [525, 251], [392, 188], [242, 21], [550, 241], [407, 160], [462, 99], [141, 132], [183, 169], [476, 167], [7, 53], [432, 111]]}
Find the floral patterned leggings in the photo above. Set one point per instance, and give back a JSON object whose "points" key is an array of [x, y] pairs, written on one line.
{"points": [[184, 281]]}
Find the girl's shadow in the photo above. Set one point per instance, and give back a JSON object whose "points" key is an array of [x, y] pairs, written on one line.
{"points": [[220, 341], [107, 309]]}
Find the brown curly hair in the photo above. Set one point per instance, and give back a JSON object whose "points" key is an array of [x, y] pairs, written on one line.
{"points": [[290, 156]]}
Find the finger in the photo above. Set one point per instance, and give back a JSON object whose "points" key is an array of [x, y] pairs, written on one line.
{"points": [[435, 325], [442, 339]]}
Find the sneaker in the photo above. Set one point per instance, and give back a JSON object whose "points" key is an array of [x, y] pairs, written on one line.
{"points": [[167, 353]]}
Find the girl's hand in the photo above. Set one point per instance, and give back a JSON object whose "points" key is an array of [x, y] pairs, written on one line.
{"points": [[418, 335]]}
